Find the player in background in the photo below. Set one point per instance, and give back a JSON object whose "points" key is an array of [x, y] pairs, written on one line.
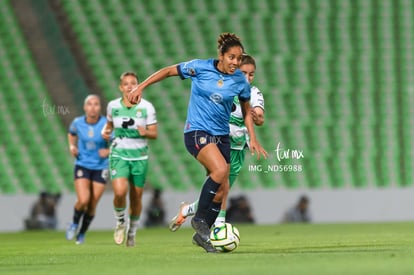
{"points": [[132, 126], [91, 165], [239, 141], [215, 83]]}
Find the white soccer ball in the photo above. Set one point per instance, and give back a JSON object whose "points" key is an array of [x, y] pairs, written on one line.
{"points": [[225, 237]]}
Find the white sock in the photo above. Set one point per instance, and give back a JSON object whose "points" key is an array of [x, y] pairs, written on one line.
{"points": [[133, 226], [120, 215], [190, 209], [219, 221]]}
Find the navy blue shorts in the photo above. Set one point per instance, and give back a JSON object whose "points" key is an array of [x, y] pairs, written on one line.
{"points": [[196, 140], [100, 176]]}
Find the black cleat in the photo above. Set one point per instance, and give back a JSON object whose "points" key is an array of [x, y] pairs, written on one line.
{"points": [[208, 247], [202, 228]]}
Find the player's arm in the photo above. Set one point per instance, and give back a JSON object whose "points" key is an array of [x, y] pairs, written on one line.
{"points": [[257, 103], [107, 130], [135, 95], [150, 131], [255, 146], [73, 147], [257, 116]]}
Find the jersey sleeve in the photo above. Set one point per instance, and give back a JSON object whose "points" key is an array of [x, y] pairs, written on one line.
{"points": [[245, 92], [152, 115], [257, 99], [109, 112], [72, 128], [188, 69]]}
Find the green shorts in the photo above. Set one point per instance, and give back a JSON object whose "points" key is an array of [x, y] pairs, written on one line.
{"points": [[236, 163], [133, 170]]}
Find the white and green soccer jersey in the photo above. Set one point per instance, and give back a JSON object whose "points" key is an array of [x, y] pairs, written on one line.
{"points": [[128, 144], [238, 130]]}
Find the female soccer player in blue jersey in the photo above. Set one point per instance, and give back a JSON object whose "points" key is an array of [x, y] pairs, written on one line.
{"points": [[91, 165], [215, 83], [132, 125], [238, 142]]}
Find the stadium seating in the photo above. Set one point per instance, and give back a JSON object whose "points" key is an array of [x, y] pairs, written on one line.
{"points": [[336, 75], [326, 94], [33, 146]]}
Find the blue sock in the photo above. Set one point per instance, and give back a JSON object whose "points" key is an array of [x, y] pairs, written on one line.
{"points": [[207, 194]]}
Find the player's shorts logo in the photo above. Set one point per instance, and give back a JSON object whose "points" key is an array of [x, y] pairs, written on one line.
{"points": [[79, 173], [202, 140], [105, 174]]}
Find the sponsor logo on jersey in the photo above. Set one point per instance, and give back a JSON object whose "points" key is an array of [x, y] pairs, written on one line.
{"points": [[90, 132], [216, 98]]}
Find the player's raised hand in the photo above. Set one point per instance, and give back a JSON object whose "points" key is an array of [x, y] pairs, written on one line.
{"points": [[134, 96]]}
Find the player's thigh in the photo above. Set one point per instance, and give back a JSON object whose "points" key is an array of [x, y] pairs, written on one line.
{"points": [[99, 180], [83, 189], [119, 176], [213, 160], [138, 172], [98, 188]]}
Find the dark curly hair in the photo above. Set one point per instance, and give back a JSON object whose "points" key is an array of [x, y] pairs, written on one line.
{"points": [[228, 40]]}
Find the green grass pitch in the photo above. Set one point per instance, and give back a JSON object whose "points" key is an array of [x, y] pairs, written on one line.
{"points": [[371, 248]]}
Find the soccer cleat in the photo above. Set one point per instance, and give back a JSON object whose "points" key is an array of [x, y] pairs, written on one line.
{"points": [[178, 220], [201, 227], [119, 233], [71, 231], [80, 239], [130, 241], [208, 247]]}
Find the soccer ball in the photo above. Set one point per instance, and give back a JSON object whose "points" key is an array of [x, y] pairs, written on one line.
{"points": [[225, 238]]}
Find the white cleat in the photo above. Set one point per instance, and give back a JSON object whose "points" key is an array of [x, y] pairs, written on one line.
{"points": [[119, 233]]}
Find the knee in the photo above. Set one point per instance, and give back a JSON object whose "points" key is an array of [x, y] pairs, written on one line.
{"points": [[119, 195], [83, 203], [220, 174]]}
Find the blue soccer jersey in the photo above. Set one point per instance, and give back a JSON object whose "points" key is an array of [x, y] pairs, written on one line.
{"points": [[212, 94], [89, 143]]}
